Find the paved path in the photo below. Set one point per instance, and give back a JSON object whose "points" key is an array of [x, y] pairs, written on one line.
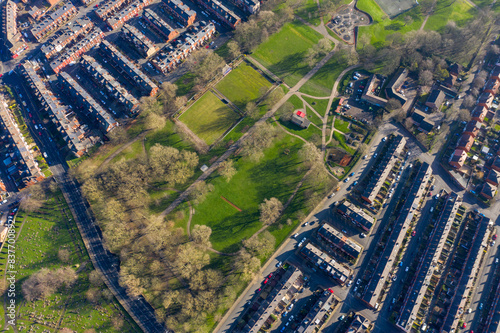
{"points": [[119, 150], [237, 144]]}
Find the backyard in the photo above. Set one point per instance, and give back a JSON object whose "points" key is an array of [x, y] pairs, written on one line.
{"points": [[209, 118]]}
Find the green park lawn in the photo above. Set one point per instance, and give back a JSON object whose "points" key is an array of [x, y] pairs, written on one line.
{"points": [[459, 11], [321, 83], [342, 125], [320, 105], [275, 175], [309, 12], [209, 118], [283, 53], [341, 139], [383, 26], [314, 118], [296, 101], [242, 85], [40, 238]]}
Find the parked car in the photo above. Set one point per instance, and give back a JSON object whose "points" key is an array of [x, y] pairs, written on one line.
{"points": [[295, 236]]}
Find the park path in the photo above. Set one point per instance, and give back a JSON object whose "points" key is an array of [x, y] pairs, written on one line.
{"points": [[237, 144], [122, 148], [428, 15]]}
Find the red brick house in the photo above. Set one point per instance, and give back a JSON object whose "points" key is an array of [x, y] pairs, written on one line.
{"points": [[479, 113], [458, 158], [465, 143]]}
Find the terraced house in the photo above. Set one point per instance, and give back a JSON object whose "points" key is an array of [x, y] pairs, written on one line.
{"points": [[222, 12], [105, 79], [180, 11], [54, 20], [130, 11], [162, 27], [142, 43], [129, 69], [104, 120], [337, 240], [73, 53], [12, 36], [66, 122], [80, 26], [109, 7]]}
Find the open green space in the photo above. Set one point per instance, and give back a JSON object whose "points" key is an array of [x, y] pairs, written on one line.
{"points": [[321, 83], [314, 118], [242, 85], [275, 175], [209, 118], [132, 151], [383, 26], [342, 125], [40, 236], [166, 137], [458, 11], [309, 11], [283, 53], [296, 101], [320, 105]]}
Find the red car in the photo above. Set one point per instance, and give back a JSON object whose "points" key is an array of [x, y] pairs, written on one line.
{"points": [[258, 290], [29, 114], [271, 274], [266, 280], [494, 236], [429, 194], [330, 290], [413, 233], [464, 325], [40, 133]]}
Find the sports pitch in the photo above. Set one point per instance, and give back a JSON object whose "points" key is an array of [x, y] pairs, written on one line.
{"points": [[395, 7]]}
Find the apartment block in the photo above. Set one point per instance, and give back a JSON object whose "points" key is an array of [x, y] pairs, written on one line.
{"points": [[355, 215], [105, 121], [131, 10], [338, 240], [383, 169], [222, 12], [169, 57], [67, 124], [142, 43], [71, 32], [12, 36], [282, 292], [54, 20], [109, 7], [18, 160], [180, 11], [249, 6], [73, 53], [128, 68], [325, 263], [428, 264], [160, 25], [387, 258], [103, 77]]}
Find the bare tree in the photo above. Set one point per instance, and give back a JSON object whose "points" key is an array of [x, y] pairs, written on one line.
{"points": [[252, 111], [63, 255], [260, 245], [270, 210], [425, 77], [201, 235], [95, 279], [154, 121], [227, 169], [200, 191], [234, 49]]}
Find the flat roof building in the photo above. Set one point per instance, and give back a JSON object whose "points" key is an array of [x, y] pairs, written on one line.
{"points": [[395, 86], [127, 67], [105, 121], [428, 264], [54, 20], [325, 263], [103, 77], [383, 169], [72, 54], [370, 90], [338, 240], [78, 27], [67, 124], [387, 258]]}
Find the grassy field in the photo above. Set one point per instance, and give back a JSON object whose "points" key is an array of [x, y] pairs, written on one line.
{"points": [[314, 118], [320, 105], [274, 176], [341, 139], [296, 101], [209, 118], [243, 85], [322, 82], [383, 26], [459, 11], [40, 238], [309, 12], [283, 53], [342, 125]]}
